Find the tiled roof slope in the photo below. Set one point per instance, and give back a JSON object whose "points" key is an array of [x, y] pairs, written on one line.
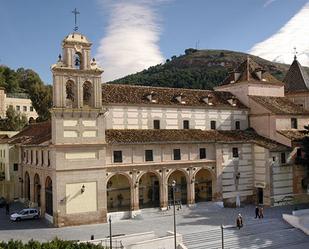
{"points": [[129, 94], [248, 71], [296, 78], [183, 136], [294, 135], [33, 134], [280, 105]]}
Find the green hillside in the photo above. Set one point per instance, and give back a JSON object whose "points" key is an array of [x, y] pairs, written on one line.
{"points": [[201, 69]]}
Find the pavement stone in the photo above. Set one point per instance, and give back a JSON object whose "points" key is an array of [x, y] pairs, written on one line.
{"points": [[204, 217]]}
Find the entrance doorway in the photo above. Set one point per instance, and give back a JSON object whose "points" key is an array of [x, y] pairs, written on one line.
{"points": [[203, 186], [260, 195], [49, 196], [181, 187], [118, 194], [149, 191]]}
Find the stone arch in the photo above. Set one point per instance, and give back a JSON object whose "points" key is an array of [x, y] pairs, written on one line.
{"points": [[70, 93], [49, 196], [37, 189], [203, 185], [149, 189], [118, 189], [78, 60], [181, 191], [87, 93], [27, 185]]}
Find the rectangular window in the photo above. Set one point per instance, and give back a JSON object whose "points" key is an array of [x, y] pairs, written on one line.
{"points": [[117, 156], [15, 166], [17, 108], [148, 155], [235, 153], [202, 153], [31, 157], [237, 125], [283, 159], [274, 158], [177, 155], [42, 157], [31, 108], [156, 124], [36, 157], [24, 108], [213, 125], [48, 158], [294, 123], [186, 124]]}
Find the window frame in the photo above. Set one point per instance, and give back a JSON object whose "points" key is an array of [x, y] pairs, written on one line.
{"points": [[237, 125], [120, 160], [147, 159], [235, 152], [186, 124], [283, 158], [294, 123], [213, 125], [177, 154], [156, 124], [205, 152]]}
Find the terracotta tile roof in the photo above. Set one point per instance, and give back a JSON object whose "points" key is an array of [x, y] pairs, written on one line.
{"points": [[250, 71], [191, 136], [296, 78], [280, 105], [33, 134], [294, 135], [129, 94]]}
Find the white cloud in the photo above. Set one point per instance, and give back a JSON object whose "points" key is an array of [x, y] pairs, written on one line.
{"points": [[131, 41], [269, 2], [279, 47]]}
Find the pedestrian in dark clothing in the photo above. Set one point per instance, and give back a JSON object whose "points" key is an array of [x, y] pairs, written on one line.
{"points": [[261, 212], [7, 208], [257, 212], [239, 222]]}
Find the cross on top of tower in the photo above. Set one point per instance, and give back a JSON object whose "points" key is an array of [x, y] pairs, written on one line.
{"points": [[75, 12], [295, 53]]}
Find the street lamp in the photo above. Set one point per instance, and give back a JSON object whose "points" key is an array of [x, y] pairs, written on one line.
{"points": [[110, 232], [173, 187]]}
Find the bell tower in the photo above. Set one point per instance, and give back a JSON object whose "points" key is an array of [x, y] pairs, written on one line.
{"points": [[76, 78], [78, 135]]}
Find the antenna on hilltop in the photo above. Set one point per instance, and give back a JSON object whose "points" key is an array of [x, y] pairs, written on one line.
{"points": [[197, 44], [75, 12]]}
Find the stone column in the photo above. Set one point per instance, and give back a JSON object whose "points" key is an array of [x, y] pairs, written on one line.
{"points": [[134, 192], [217, 192], [164, 189], [31, 188], [190, 188], [43, 207]]}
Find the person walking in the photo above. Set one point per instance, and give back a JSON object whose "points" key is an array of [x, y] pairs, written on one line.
{"points": [[261, 212], [239, 221], [257, 212]]}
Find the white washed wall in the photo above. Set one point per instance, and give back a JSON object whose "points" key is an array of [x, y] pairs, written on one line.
{"points": [[134, 117], [231, 166]]}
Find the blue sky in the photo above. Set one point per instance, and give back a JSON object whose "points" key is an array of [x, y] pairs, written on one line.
{"points": [[129, 35]]}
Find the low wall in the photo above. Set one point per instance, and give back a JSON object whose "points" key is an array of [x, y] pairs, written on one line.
{"points": [[299, 219]]}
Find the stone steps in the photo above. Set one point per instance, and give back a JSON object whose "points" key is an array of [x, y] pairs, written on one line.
{"points": [[270, 233]]}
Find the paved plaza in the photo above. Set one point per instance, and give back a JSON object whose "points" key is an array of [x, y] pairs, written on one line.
{"points": [[200, 227]]}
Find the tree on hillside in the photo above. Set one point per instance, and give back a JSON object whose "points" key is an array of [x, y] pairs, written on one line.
{"points": [[41, 97], [14, 121]]}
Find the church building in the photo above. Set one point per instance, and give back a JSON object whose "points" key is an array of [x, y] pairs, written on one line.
{"points": [[114, 149]]}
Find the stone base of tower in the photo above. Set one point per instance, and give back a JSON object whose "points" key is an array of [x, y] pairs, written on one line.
{"points": [[81, 219]]}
